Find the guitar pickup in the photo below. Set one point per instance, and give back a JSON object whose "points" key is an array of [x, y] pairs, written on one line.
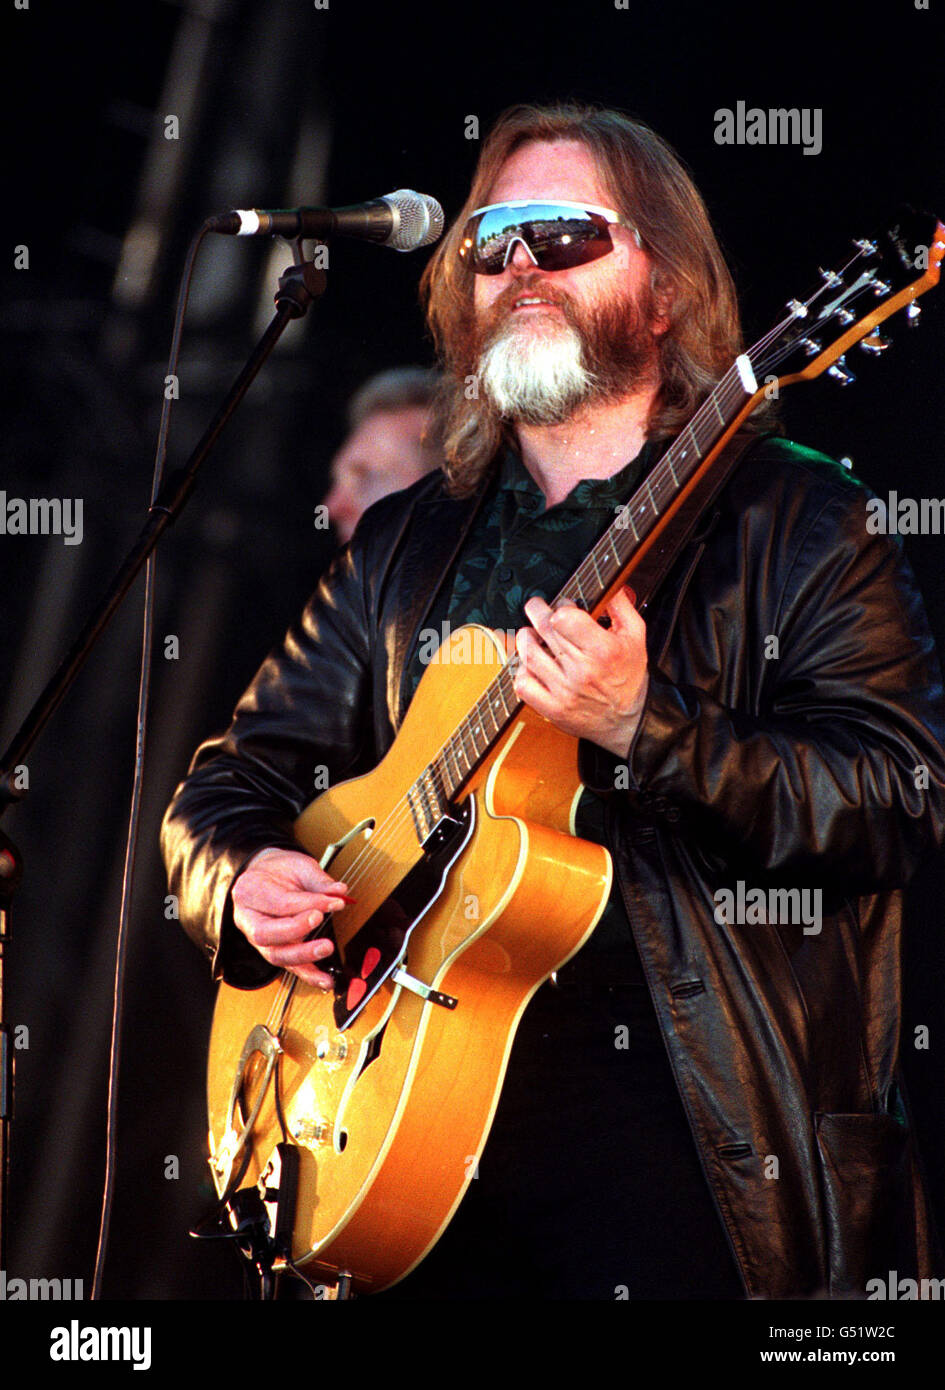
{"points": [[401, 977]]}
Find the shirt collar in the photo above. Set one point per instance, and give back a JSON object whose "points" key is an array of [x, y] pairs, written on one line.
{"points": [[597, 493]]}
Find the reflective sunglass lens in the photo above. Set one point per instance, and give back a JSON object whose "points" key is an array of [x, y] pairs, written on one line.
{"points": [[556, 237]]}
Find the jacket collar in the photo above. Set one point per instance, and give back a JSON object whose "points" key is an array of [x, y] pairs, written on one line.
{"points": [[438, 527]]}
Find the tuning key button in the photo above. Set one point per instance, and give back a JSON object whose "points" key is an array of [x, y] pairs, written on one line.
{"points": [[874, 344], [846, 315], [881, 287], [841, 372], [913, 314], [811, 346]]}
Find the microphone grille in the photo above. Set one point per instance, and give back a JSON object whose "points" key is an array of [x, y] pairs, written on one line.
{"points": [[419, 220]]}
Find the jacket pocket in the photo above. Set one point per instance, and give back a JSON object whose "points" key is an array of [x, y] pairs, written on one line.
{"points": [[864, 1164]]}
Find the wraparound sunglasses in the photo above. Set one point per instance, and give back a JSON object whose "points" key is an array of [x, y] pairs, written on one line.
{"points": [[556, 235]]}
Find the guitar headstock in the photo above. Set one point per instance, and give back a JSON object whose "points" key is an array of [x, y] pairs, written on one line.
{"points": [[885, 273]]}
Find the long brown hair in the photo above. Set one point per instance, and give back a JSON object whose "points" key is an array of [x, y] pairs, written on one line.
{"points": [[648, 184]]}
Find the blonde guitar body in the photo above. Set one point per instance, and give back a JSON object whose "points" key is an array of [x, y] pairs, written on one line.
{"points": [[391, 1113]]}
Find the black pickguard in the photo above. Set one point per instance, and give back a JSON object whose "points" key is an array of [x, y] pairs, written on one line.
{"points": [[380, 945]]}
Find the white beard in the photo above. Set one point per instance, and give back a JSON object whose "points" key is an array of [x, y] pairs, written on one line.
{"points": [[537, 378]]}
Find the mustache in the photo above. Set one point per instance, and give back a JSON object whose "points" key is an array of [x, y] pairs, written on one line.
{"points": [[500, 310]]}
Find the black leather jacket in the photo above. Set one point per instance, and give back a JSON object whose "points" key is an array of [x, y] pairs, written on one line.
{"points": [[795, 763]]}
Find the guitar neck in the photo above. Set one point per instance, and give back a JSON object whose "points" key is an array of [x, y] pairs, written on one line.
{"points": [[638, 519], [635, 523]]}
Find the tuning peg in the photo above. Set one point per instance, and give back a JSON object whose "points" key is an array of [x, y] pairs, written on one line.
{"points": [[874, 343], [846, 315], [913, 314], [840, 372], [881, 287], [830, 277], [810, 346]]}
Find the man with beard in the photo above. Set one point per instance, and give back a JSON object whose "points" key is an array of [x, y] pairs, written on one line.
{"points": [[692, 1109]]}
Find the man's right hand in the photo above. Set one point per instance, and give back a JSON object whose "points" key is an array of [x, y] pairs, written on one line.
{"points": [[278, 900]]}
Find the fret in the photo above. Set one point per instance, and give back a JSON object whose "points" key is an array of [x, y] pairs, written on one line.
{"points": [[459, 773], [449, 752], [652, 498], [429, 805], [436, 787], [421, 810], [439, 785], [669, 460], [608, 555], [462, 747], [621, 545], [593, 560], [447, 786], [716, 405], [479, 729], [427, 801], [695, 443]]}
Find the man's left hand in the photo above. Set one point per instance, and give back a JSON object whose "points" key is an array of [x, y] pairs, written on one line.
{"points": [[587, 680]]}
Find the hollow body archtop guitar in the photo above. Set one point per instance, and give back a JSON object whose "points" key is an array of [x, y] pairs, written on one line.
{"points": [[358, 1116]]}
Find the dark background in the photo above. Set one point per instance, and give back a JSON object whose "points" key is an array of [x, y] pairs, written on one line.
{"points": [[280, 103]]}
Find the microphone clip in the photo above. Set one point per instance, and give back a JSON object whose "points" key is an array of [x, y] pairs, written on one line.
{"points": [[301, 282]]}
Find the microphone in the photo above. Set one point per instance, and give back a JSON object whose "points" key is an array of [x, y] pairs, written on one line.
{"points": [[403, 220]]}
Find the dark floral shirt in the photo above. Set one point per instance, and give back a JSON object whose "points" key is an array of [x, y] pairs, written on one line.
{"points": [[517, 549]]}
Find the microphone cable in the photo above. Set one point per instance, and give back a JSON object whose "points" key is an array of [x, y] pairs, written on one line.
{"points": [[144, 690]]}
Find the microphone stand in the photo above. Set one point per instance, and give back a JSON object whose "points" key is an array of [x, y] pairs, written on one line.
{"points": [[299, 285]]}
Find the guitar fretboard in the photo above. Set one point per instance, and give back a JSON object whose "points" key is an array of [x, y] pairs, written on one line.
{"points": [[438, 784]]}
